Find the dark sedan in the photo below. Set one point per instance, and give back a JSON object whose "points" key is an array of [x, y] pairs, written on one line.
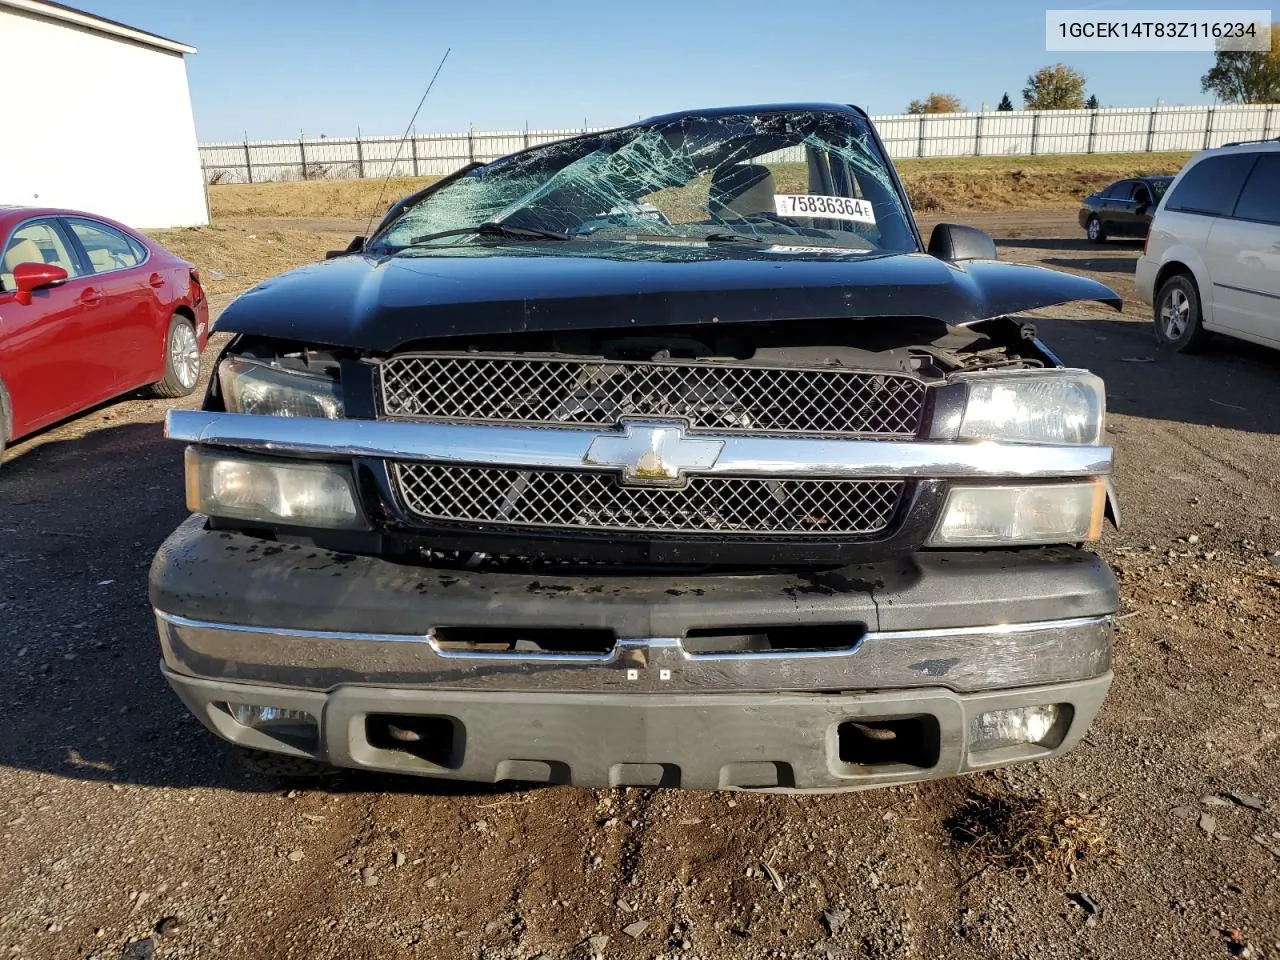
{"points": [[1123, 209]]}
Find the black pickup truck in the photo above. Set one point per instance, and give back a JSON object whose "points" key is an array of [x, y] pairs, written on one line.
{"points": [[663, 456]]}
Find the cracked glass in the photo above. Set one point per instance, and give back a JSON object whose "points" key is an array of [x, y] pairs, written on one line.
{"points": [[801, 183]]}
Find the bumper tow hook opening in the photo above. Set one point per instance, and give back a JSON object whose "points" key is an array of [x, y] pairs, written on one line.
{"points": [[436, 740], [874, 745]]}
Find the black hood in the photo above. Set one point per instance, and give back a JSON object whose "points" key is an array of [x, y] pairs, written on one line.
{"points": [[379, 304]]}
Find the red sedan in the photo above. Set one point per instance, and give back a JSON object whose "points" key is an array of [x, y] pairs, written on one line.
{"points": [[90, 309]]}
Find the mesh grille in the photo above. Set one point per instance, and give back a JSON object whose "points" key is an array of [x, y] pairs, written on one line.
{"points": [[726, 398], [596, 501]]}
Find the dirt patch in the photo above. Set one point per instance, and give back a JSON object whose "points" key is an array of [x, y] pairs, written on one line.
{"points": [[1028, 835]]}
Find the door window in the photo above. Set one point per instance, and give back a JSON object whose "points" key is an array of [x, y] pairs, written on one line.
{"points": [[36, 242], [1212, 185], [107, 249], [1260, 199], [1119, 191]]}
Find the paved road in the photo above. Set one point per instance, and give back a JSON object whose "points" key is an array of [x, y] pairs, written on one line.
{"points": [[120, 811]]}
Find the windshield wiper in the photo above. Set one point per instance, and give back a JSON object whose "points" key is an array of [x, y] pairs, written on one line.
{"points": [[733, 238], [494, 229]]}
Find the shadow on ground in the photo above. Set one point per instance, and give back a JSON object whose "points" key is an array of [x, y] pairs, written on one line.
{"points": [[1071, 243], [80, 520], [1231, 384], [1094, 264]]}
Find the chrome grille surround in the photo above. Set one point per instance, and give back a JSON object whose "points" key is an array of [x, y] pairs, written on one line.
{"points": [[725, 397], [594, 501]]}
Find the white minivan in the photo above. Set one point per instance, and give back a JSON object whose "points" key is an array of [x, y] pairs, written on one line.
{"points": [[1212, 259]]}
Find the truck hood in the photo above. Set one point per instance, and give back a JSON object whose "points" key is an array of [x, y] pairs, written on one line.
{"points": [[381, 303]]}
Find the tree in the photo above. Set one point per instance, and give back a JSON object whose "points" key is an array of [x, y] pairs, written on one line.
{"points": [[1092, 102], [1058, 87], [1246, 76], [936, 103], [1006, 105]]}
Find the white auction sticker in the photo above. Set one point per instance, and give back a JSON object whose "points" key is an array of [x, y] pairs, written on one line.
{"points": [[831, 208]]}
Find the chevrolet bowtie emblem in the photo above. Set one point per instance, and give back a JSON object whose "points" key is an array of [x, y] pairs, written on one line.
{"points": [[653, 453]]}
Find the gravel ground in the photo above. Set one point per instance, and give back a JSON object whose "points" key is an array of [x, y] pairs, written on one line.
{"points": [[128, 830]]}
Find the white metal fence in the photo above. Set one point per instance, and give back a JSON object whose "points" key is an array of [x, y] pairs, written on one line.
{"points": [[1021, 132]]}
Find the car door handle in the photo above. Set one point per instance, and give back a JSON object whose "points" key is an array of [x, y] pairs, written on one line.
{"points": [[156, 280], [90, 296]]}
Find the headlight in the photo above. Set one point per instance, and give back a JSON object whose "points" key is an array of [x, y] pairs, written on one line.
{"points": [[1023, 515], [1051, 406], [297, 493], [249, 386]]}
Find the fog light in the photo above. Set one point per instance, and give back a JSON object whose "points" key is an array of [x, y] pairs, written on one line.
{"points": [[259, 717], [1017, 725]]}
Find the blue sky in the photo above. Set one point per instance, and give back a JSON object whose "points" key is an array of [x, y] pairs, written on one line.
{"points": [[277, 67]]}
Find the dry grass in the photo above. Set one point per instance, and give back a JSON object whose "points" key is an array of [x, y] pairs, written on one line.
{"points": [[985, 184], [235, 256], [309, 199], [948, 184], [1027, 835]]}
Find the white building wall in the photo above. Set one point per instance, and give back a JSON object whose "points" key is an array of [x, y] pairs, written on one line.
{"points": [[97, 123]]}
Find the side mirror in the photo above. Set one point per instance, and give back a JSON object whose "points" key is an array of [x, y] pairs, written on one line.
{"points": [[30, 277], [951, 241], [355, 246]]}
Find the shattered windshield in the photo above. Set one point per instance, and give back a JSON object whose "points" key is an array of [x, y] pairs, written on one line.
{"points": [[796, 182]]}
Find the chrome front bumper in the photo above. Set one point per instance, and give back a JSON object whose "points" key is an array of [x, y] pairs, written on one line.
{"points": [[962, 659]]}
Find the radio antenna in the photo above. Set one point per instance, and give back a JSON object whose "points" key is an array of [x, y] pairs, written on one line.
{"points": [[400, 147]]}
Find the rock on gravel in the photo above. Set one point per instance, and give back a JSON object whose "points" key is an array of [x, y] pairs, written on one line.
{"points": [[835, 920], [168, 927], [1247, 800]]}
